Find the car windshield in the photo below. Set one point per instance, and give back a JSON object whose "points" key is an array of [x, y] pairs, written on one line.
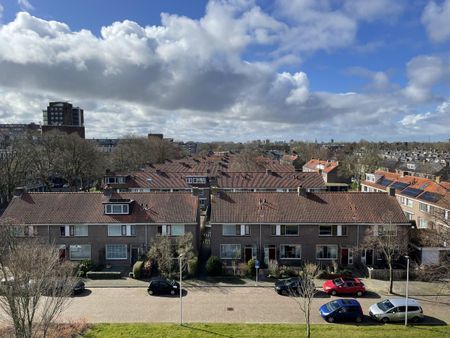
{"points": [[332, 306], [170, 282], [338, 281], [385, 305]]}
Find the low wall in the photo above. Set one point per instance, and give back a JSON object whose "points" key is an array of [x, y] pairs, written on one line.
{"points": [[383, 274]]}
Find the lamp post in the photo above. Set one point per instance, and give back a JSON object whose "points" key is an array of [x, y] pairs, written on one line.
{"points": [[181, 289], [406, 293]]}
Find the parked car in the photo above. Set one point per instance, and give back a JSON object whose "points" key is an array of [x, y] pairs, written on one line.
{"points": [[163, 286], [344, 286], [289, 286], [393, 310], [56, 287], [342, 310]]}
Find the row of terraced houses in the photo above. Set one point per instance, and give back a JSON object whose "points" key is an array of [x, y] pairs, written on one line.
{"points": [[272, 214]]}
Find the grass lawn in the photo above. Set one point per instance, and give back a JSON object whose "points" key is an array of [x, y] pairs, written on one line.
{"points": [[264, 330]]}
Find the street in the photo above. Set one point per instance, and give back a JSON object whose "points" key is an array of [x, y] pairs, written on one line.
{"points": [[218, 304]]}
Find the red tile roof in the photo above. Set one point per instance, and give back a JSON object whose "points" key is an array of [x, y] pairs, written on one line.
{"points": [[323, 207], [82, 207], [317, 164], [270, 180]]}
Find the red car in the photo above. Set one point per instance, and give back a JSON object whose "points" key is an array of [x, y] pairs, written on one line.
{"points": [[339, 286]]}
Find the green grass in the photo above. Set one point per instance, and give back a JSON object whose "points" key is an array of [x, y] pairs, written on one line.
{"points": [[263, 330]]}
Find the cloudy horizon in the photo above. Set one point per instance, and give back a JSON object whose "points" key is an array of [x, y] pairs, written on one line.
{"points": [[234, 70]]}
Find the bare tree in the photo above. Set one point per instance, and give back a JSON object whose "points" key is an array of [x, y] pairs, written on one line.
{"points": [[246, 160], [35, 285], [161, 252], [390, 240], [303, 293]]}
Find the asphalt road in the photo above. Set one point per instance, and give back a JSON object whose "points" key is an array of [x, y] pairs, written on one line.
{"points": [[217, 304]]}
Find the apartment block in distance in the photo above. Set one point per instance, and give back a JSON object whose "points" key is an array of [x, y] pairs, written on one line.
{"points": [[63, 116]]}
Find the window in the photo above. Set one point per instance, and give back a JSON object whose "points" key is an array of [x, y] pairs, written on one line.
{"points": [[230, 251], [116, 251], [332, 230], [25, 231], [284, 230], [406, 201], [236, 230], [424, 207], [171, 230], [117, 209], [80, 252], [198, 180], [121, 230], [423, 223], [409, 215], [288, 251], [387, 230], [74, 231], [326, 251]]}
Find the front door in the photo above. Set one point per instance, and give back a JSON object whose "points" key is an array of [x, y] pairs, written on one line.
{"points": [[134, 255], [344, 256], [248, 254], [367, 256], [270, 253]]}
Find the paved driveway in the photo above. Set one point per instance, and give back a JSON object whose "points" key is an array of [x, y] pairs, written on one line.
{"points": [[215, 304]]}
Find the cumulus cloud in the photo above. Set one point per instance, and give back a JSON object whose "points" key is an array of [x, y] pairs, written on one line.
{"points": [[190, 78], [436, 20], [438, 120], [424, 72], [372, 10]]}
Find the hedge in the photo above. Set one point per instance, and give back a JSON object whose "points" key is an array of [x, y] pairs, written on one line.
{"points": [[103, 275], [137, 269]]}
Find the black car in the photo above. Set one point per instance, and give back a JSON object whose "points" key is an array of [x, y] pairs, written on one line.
{"points": [[56, 288], [78, 288], [288, 286], [163, 286]]}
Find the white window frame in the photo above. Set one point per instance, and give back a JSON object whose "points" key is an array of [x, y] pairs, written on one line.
{"points": [[424, 207], [236, 230], [74, 246], [318, 246], [423, 223], [71, 230], [121, 230], [107, 254], [335, 230], [167, 229], [124, 209], [298, 249], [280, 230]]}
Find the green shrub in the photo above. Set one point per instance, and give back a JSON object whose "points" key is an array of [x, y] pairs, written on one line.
{"points": [[214, 266], [251, 267], [147, 269], [192, 266], [137, 269], [103, 275], [84, 266], [243, 270]]}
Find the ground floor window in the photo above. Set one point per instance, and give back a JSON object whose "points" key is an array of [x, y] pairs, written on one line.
{"points": [[79, 252], [326, 251], [230, 251], [116, 251], [290, 251]]}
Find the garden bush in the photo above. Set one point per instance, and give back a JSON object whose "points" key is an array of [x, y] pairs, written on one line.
{"points": [[192, 266], [137, 269], [251, 267], [85, 266], [214, 266]]}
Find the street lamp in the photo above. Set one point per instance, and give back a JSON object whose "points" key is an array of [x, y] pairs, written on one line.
{"points": [[406, 293], [181, 289]]}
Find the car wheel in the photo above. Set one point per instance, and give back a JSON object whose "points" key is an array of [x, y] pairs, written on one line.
{"points": [[359, 294], [330, 320], [172, 292], [333, 293], [385, 320], [285, 293], [359, 319], [150, 292]]}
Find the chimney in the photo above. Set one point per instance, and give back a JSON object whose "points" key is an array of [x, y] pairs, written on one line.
{"points": [[107, 191], [301, 191], [158, 172], [438, 179], [391, 191], [19, 191], [268, 172]]}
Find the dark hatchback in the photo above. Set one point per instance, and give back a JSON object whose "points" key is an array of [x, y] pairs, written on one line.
{"points": [[163, 287], [288, 286], [342, 310]]}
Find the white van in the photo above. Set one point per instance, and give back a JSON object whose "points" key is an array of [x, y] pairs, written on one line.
{"points": [[393, 310]]}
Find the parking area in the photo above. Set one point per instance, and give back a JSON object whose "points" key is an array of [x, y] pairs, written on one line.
{"points": [[218, 304]]}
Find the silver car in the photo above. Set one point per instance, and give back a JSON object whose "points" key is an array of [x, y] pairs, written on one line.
{"points": [[393, 310]]}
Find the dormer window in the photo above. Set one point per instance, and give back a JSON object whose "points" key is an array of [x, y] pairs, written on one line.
{"points": [[196, 179], [117, 209]]}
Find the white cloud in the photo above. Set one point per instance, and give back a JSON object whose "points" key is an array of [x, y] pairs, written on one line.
{"points": [[436, 20], [25, 5], [373, 9], [189, 78], [424, 72], [412, 120], [438, 121]]}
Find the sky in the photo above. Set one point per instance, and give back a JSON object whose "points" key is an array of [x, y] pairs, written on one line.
{"points": [[232, 70]]}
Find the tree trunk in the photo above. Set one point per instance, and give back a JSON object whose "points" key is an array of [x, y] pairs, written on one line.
{"points": [[308, 328], [391, 278]]}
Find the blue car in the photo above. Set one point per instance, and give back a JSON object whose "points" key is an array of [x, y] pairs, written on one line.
{"points": [[342, 310]]}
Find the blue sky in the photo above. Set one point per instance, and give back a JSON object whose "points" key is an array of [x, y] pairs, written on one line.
{"points": [[232, 69]]}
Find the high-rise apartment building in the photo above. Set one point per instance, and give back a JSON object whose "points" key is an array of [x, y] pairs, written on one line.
{"points": [[65, 117]]}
